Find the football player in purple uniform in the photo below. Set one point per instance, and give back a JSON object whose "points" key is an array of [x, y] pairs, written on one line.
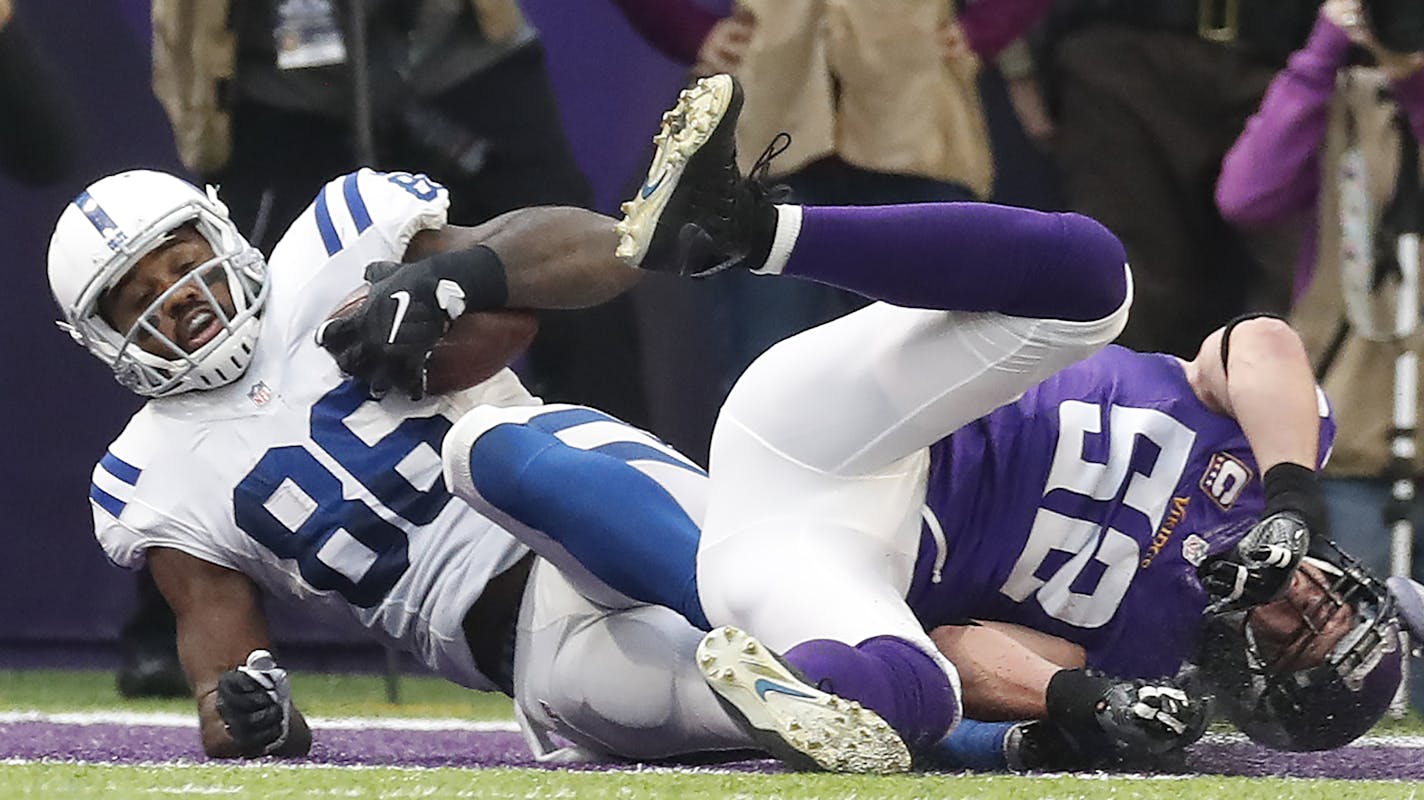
{"points": [[965, 457], [967, 453], [966, 450]]}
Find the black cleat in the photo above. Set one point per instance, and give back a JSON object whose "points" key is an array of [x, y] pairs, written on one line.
{"points": [[696, 214]]}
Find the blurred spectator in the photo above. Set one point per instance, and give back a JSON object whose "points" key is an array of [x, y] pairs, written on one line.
{"points": [[36, 127], [1149, 96], [882, 104], [271, 98], [1326, 152]]}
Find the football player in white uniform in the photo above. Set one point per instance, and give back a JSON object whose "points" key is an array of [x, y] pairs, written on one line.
{"points": [[259, 464]]}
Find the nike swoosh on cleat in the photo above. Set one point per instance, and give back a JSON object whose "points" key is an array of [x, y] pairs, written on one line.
{"points": [[762, 686], [402, 299], [649, 188]]}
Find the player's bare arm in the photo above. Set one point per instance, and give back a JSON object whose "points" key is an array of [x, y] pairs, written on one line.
{"points": [[220, 624], [554, 257], [537, 258], [1005, 669], [1257, 372], [1268, 388], [1010, 672]]}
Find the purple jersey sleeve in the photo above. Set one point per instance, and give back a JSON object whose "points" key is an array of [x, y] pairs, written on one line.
{"points": [[1083, 509]]}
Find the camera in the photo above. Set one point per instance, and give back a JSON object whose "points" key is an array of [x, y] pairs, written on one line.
{"points": [[1397, 24]]}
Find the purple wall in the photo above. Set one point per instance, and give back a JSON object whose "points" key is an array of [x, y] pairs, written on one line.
{"points": [[61, 409]]}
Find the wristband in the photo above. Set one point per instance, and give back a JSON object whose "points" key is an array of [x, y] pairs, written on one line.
{"points": [[478, 272], [1295, 487], [1074, 697]]}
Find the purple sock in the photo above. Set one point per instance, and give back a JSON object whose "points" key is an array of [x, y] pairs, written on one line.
{"points": [[964, 257], [888, 675]]}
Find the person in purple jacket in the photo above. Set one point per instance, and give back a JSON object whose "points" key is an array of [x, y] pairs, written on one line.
{"points": [[1326, 154]]}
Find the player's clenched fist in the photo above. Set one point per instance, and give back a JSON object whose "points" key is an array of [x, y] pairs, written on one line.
{"points": [[255, 703], [1124, 720]]}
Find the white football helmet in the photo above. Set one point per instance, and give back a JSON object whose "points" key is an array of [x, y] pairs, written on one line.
{"points": [[104, 232]]}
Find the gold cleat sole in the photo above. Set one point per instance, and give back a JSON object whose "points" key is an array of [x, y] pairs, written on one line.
{"points": [[684, 130], [794, 720]]}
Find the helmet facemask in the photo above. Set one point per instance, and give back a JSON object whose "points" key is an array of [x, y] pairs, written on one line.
{"points": [[1262, 685], [218, 361]]}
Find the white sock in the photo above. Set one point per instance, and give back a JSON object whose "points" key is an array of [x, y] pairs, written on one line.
{"points": [[788, 229]]}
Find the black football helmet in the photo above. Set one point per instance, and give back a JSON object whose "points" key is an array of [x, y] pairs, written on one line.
{"points": [[1332, 703]]}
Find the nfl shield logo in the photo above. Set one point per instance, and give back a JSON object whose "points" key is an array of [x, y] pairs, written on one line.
{"points": [[1194, 549], [259, 394]]}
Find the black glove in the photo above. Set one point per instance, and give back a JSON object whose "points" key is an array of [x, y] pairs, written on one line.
{"points": [[1258, 569], [255, 703], [1123, 721], [387, 341]]}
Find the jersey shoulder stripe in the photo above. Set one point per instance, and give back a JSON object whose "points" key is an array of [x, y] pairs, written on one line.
{"points": [[329, 237], [355, 206], [351, 191], [113, 483]]}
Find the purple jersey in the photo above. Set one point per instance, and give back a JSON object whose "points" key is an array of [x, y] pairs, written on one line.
{"points": [[1083, 509]]}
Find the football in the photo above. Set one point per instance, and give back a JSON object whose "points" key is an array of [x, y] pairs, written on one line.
{"points": [[477, 345]]}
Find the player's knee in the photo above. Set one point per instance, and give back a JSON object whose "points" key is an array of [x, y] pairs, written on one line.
{"points": [[467, 443], [739, 593], [1110, 325], [1093, 271], [620, 697], [1093, 330]]}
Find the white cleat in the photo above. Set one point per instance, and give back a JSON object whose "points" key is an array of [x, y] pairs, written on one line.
{"points": [[690, 124], [792, 719]]}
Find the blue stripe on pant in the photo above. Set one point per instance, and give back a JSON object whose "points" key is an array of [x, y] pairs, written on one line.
{"points": [[619, 522]]}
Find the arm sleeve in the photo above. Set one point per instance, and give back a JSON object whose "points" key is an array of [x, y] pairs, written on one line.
{"points": [[1273, 170], [137, 506], [675, 27], [376, 213], [36, 124], [126, 545]]}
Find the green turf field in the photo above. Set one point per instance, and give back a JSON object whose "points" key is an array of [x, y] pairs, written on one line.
{"points": [[318, 694], [322, 695], [116, 783]]}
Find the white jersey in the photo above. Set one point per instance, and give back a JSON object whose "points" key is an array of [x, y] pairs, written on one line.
{"points": [[296, 477]]}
